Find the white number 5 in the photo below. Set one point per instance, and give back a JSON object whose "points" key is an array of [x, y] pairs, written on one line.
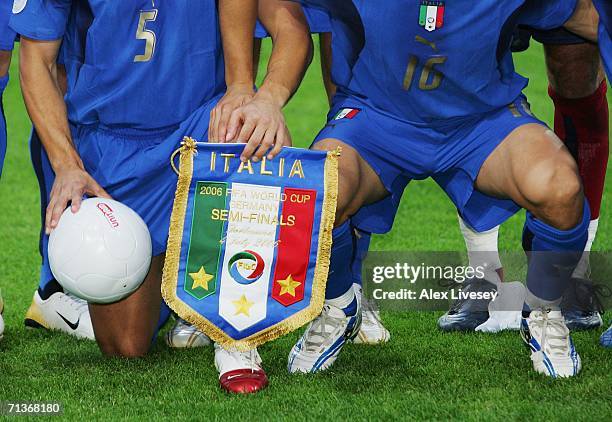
{"points": [[146, 35]]}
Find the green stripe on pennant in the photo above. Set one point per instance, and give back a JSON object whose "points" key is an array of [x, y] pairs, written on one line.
{"points": [[423, 14], [205, 242]]}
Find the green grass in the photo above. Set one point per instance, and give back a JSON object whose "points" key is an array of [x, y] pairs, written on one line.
{"points": [[420, 374]]}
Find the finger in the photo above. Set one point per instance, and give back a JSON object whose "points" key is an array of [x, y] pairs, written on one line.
{"points": [[278, 145], [250, 147], [224, 120], [266, 143], [234, 125], [48, 215], [76, 202], [57, 211], [212, 125]]}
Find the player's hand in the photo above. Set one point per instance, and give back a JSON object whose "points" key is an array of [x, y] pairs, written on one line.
{"points": [[261, 125], [70, 185], [235, 97]]}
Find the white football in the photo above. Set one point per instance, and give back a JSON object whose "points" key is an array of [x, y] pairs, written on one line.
{"points": [[102, 253]]}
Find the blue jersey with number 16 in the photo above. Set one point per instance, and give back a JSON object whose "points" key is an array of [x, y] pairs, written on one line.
{"points": [[426, 62], [146, 64]]}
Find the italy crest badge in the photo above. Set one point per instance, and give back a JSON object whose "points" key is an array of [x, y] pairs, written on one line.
{"points": [[249, 245], [431, 15]]}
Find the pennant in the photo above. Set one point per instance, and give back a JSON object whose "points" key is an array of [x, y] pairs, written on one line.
{"points": [[249, 245]]}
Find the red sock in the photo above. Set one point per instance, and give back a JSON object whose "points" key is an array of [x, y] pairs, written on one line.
{"points": [[583, 124]]}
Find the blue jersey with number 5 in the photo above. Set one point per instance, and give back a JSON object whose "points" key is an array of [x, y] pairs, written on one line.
{"points": [[430, 61], [143, 64]]}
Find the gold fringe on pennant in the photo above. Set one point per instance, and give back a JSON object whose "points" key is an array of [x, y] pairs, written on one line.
{"points": [[171, 266], [177, 225]]}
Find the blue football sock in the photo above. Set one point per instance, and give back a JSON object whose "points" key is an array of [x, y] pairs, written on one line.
{"points": [[362, 244], [44, 174], [3, 135], [553, 256], [339, 291]]}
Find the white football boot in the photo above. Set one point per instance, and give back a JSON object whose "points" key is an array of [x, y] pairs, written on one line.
{"points": [[319, 346], [184, 335], [552, 349], [1, 318], [240, 372], [60, 312], [372, 330]]}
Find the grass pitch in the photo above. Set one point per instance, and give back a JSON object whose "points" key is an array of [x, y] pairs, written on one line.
{"points": [[420, 374]]}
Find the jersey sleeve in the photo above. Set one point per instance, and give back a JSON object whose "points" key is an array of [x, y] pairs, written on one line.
{"points": [[43, 20], [547, 14]]}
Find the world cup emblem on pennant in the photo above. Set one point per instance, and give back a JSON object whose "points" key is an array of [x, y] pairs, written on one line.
{"points": [[431, 15], [249, 244]]}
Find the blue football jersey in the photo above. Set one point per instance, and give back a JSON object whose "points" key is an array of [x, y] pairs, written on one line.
{"points": [[7, 35], [429, 61], [142, 64], [604, 7]]}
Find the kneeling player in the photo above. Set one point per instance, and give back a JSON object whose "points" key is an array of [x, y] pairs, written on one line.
{"points": [[425, 111], [122, 148]]}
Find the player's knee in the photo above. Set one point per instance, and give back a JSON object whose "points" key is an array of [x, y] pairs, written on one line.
{"points": [[558, 197], [348, 179], [126, 346]]}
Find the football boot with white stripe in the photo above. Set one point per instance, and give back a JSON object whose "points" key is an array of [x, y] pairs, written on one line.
{"points": [[552, 349], [319, 346], [184, 335]]}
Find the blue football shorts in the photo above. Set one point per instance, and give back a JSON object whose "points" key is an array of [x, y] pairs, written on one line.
{"points": [[133, 166], [451, 154]]}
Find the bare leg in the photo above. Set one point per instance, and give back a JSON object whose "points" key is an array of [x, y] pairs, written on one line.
{"points": [[126, 328]]}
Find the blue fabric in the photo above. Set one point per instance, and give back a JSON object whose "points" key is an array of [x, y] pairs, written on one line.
{"points": [[7, 35], [107, 85], [134, 168], [432, 77], [340, 279], [45, 176], [399, 151], [362, 245], [3, 134], [553, 255]]}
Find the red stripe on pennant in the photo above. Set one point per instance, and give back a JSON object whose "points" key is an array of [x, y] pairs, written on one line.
{"points": [[440, 17], [294, 246]]}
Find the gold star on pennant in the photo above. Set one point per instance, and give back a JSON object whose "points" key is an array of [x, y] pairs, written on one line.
{"points": [[243, 306], [201, 279], [288, 285]]}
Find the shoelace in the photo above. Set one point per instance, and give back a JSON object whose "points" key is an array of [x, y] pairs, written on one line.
{"points": [[247, 359], [554, 333], [318, 332], [76, 303]]}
